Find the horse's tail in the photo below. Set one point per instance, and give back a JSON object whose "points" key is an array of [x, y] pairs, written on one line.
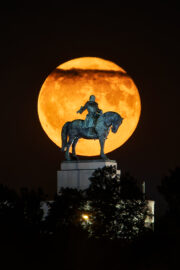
{"points": [[64, 134]]}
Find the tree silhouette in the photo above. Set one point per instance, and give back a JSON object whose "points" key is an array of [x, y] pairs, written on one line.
{"points": [[20, 213], [64, 210], [115, 206], [8, 212], [29, 204], [169, 189]]}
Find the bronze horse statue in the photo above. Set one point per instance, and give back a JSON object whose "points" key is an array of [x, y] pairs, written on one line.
{"points": [[73, 131]]}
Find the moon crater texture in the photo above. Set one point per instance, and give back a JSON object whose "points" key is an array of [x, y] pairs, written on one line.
{"points": [[68, 88]]}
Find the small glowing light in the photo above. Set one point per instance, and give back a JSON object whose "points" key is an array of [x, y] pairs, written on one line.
{"points": [[85, 217]]}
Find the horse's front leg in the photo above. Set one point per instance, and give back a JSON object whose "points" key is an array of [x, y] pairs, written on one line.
{"points": [[74, 148], [102, 142], [67, 156]]}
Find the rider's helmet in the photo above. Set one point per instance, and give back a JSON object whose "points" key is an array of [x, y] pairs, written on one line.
{"points": [[92, 98]]}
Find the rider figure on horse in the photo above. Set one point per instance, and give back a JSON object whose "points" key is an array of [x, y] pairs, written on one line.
{"points": [[93, 113]]}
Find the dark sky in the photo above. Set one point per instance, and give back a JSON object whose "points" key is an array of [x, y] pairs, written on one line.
{"points": [[142, 40]]}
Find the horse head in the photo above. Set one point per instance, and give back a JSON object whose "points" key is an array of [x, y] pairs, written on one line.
{"points": [[117, 121], [113, 120]]}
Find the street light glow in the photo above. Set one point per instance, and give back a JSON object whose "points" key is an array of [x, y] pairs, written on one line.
{"points": [[85, 217]]}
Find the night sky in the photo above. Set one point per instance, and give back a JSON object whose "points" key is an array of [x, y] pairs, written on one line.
{"points": [[142, 40]]}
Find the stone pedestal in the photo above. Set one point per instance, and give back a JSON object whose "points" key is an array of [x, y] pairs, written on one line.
{"points": [[75, 174]]}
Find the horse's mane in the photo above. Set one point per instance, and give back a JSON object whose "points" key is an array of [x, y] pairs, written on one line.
{"points": [[107, 117], [110, 113]]}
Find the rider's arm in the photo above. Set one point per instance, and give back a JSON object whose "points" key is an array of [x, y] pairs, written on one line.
{"points": [[83, 108], [99, 111]]}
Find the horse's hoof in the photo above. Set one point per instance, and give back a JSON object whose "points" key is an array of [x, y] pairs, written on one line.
{"points": [[75, 157], [105, 158]]}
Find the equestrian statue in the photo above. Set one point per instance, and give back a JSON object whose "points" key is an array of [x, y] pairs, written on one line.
{"points": [[96, 126]]}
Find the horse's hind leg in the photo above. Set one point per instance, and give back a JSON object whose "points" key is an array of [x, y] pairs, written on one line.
{"points": [[67, 156], [74, 147]]}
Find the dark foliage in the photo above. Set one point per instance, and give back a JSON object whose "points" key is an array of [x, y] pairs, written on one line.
{"points": [[64, 210], [20, 213], [30, 202], [170, 190], [26, 244], [115, 207], [8, 211], [129, 188]]}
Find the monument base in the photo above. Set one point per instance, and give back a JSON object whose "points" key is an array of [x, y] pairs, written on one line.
{"points": [[76, 174]]}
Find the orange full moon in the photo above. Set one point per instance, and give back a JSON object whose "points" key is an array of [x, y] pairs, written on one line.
{"points": [[68, 88]]}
